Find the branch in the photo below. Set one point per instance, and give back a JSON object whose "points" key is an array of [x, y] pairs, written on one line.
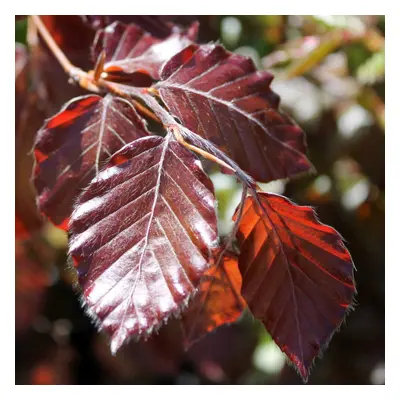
{"points": [[205, 154], [88, 81], [203, 147], [78, 75], [53, 46]]}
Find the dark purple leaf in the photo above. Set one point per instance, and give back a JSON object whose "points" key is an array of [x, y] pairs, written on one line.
{"points": [[222, 97], [297, 275], [135, 55], [141, 236], [73, 145], [159, 26]]}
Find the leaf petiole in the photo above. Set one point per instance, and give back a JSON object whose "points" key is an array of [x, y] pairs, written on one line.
{"points": [[88, 81]]}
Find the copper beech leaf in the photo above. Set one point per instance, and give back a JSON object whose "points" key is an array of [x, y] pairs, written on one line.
{"points": [[141, 236], [134, 55], [72, 146], [222, 97], [159, 26], [218, 301], [297, 275]]}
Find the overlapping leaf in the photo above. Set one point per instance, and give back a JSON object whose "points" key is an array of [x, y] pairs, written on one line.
{"points": [[141, 236], [159, 26], [134, 55], [222, 97], [218, 301], [297, 275], [73, 145]]}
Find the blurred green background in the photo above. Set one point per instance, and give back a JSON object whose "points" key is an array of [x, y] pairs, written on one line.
{"points": [[330, 74]]}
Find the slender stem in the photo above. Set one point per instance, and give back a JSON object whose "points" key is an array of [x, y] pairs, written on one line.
{"points": [[87, 81], [58, 53], [94, 83], [84, 79], [207, 149], [144, 111], [205, 154], [99, 66], [127, 92]]}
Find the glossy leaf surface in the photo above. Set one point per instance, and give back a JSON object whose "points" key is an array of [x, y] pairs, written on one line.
{"points": [[73, 145], [141, 236], [297, 275], [134, 55], [218, 301], [222, 97]]}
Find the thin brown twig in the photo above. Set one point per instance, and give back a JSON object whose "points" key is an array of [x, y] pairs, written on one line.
{"points": [[99, 66], [58, 53], [196, 149], [90, 82], [115, 88], [144, 111], [84, 79]]}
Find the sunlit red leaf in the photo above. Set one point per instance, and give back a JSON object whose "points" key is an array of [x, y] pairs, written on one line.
{"points": [[141, 236], [297, 275], [218, 302], [134, 55], [222, 97], [73, 145]]}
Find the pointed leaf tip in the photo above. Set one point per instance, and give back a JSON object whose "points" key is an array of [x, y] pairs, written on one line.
{"points": [[142, 233], [297, 275]]}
